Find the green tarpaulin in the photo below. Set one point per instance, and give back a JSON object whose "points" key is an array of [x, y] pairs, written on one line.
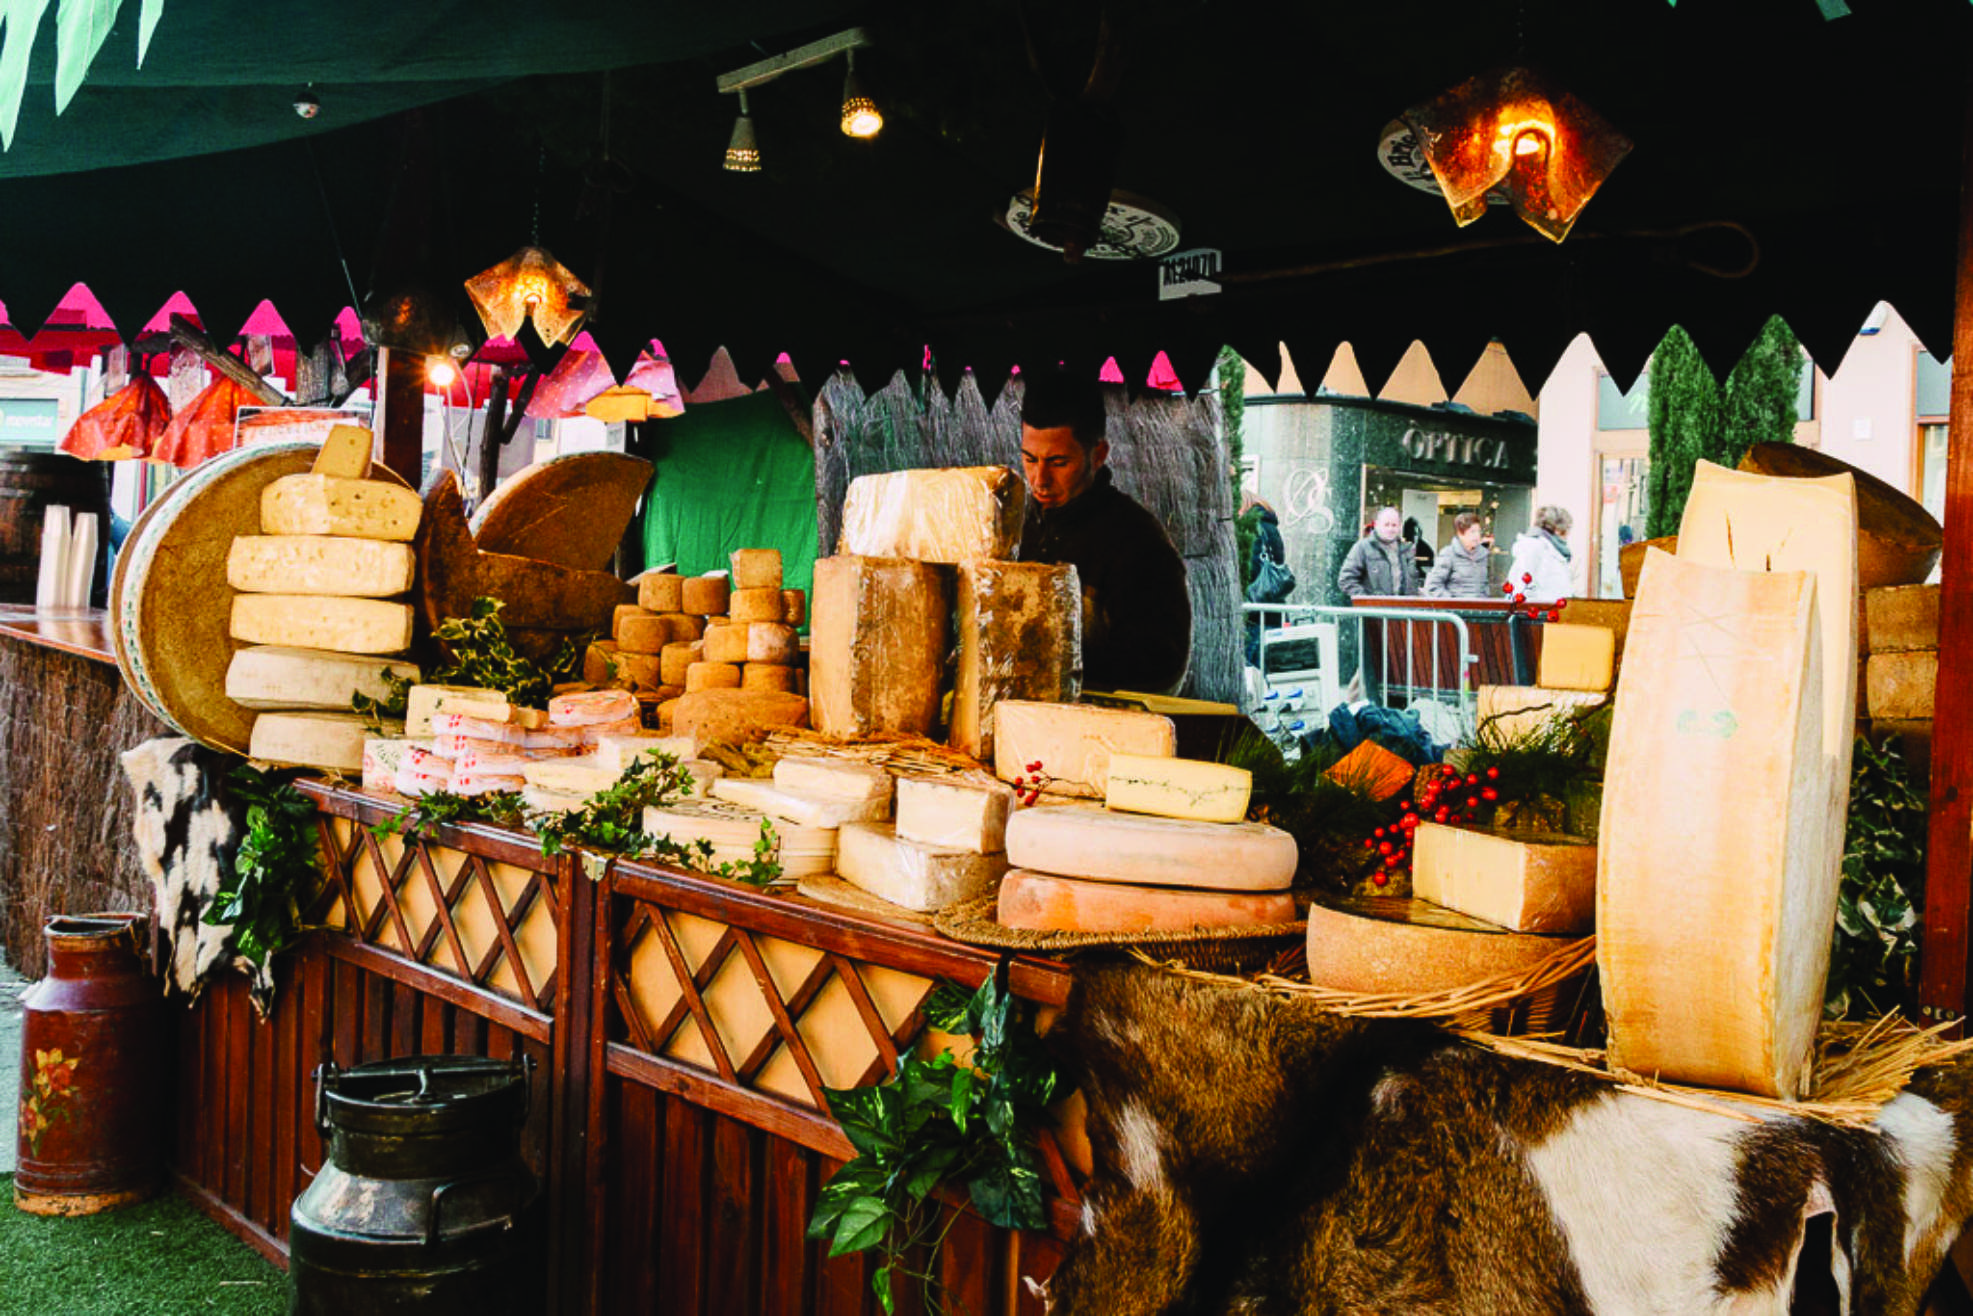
{"points": [[731, 475]]}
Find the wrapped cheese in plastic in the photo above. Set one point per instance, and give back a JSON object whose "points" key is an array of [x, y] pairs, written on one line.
{"points": [[1020, 637], [205, 426], [127, 423], [956, 514]]}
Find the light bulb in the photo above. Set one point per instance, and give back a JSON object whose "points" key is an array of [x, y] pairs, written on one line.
{"points": [[441, 372], [861, 117]]}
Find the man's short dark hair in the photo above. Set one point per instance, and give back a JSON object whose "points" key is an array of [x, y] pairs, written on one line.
{"points": [[1055, 399]]}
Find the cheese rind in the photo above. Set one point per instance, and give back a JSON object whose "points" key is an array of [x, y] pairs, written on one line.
{"points": [[1046, 903], [770, 676], [1178, 788], [752, 642], [920, 877], [319, 564], [651, 632], [755, 605], [1019, 637], [704, 596], [270, 676], [954, 812], [1527, 883], [1129, 847], [1902, 685], [756, 568], [661, 592], [1576, 657], [626, 610], [797, 807], [1902, 617], [725, 825], [302, 621], [584, 775], [1420, 950], [315, 740], [1073, 743], [675, 658], [959, 514], [794, 606], [833, 778], [877, 647], [329, 505]]}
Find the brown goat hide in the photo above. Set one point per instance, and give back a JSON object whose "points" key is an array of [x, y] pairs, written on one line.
{"points": [[1257, 1156]]}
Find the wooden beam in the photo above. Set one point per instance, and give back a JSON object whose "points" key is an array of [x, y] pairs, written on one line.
{"points": [[183, 333], [1949, 854], [401, 398]]}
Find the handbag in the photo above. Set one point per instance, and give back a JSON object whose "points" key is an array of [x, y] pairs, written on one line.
{"points": [[1273, 581]]}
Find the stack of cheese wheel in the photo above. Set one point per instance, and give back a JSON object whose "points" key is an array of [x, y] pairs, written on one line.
{"points": [[948, 845], [316, 607], [812, 803], [720, 649]]}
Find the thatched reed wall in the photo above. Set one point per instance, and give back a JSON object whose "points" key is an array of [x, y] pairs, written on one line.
{"points": [[1167, 453], [65, 807]]}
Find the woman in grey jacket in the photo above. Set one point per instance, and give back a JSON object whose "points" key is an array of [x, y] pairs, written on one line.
{"points": [[1461, 571]]}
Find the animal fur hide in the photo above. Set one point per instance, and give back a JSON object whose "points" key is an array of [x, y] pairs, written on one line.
{"points": [[1260, 1157], [188, 830]]}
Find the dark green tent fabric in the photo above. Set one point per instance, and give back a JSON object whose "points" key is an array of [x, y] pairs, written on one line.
{"points": [[731, 475]]}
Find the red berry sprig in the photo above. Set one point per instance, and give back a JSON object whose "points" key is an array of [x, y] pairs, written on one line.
{"points": [[1027, 788]]}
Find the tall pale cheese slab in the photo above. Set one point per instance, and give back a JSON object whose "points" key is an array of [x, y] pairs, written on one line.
{"points": [[877, 645], [1716, 869], [1020, 637], [1073, 743], [957, 514], [1130, 847]]}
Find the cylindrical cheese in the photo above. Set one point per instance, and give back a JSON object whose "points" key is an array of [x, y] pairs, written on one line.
{"points": [[1414, 950], [626, 610], [794, 606], [660, 592], [651, 633], [711, 676], [767, 676], [688, 626], [1128, 847], [1063, 904], [755, 605], [591, 708], [677, 656], [704, 596], [726, 643], [756, 568]]}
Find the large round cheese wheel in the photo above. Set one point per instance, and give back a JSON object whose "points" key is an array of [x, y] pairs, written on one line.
{"points": [[1129, 847], [1381, 945]]}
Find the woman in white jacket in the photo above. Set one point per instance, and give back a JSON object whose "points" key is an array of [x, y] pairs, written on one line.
{"points": [[1543, 554]]}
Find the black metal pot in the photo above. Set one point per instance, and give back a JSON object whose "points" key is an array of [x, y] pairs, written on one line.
{"points": [[424, 1203]]}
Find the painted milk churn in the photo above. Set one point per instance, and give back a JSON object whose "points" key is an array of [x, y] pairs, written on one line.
{"points": [[424, 1202], [91, 1064]]}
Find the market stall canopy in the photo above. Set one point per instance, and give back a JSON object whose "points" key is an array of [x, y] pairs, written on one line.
{"points": [[1783, 163]]}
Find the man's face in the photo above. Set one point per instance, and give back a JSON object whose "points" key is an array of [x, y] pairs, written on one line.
{"points": [[1056, 466], [1388, 525]]}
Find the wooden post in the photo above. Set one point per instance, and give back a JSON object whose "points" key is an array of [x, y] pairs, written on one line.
{"points": [[1949, 853], [401, 398]]}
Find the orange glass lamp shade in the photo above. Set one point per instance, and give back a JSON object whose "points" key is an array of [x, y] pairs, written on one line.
{"points": [[530, 284], [128, 423], [1509, 133]]}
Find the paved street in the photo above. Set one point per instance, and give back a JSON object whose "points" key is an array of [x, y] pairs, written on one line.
{"points": [[11, 987]]}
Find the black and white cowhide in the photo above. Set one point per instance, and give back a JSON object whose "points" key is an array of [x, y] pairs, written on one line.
{"points": [[188, 828], [1259, 1157]]}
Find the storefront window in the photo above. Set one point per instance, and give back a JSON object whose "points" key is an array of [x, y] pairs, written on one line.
{"points": [[1433, 501], [1932, 469], [1624, 509]]}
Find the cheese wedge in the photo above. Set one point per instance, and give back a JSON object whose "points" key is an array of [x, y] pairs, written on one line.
{"points": [[319, 564], [871, 856], [345, 453], [833, 778], [315, 740], [877, 648], [1373, 770], [796, 807], [317, 622], [329, 505], [1128, 847], [1527, 883], [960, 514], [425, 702], [1178, 788], [1045, 903], [1020, 637], [1394, 945], [1577, 657], [269, 676], [661, 591], [954, 812], [1073, 743], [756, 568]]}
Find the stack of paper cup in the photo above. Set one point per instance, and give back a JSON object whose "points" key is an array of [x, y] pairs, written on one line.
{"points": [[68, 559]]}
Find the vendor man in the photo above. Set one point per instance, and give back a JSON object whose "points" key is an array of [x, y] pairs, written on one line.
{"points": [[1137, 612]]}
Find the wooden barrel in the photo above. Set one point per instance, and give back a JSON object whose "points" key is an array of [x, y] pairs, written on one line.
{"points": [[91, 1063], [31, 481]]}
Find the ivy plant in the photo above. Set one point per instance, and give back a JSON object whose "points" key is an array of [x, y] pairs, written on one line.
{"points": [[484, 656], [394, 704], [273, 869], [1875, 945], [967, 1125]]}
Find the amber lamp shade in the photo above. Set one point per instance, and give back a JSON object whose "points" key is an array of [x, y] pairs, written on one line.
{"points": [[530, 284], [1509, 132]]}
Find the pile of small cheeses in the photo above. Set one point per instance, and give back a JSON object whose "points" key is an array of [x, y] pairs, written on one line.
{"points": [[722, 631], [316, 606]]}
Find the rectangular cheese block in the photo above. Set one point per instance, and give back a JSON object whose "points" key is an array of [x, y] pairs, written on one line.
{"points": [[871, 856], [1902, 617], [468, 727], [1178, 788], [752, 642], [421, 772], [1372, 770], [716, 821], [491, 761], [877, 646], [1510, 712], [591, 708], [1526, 883], [303, 621], [1073, 743], [329, 505], [1020, 637], [345, 453], [795, 807], [565, 737], [1716, 870], [703, 772], [660, 591], [954, 812], [452, 746], [756, 568], [675, 658], [319, 564], [704, 596], [1131, 847], [472, 784], [618, 752], [755, 605], [270, 676], [833, 778], [1576, 657], [1612, 614], [315, 740], [1902, 684], [382, 756], [1046, 903], [542, 800], [960, 514], [426, 702], [581, 776]]}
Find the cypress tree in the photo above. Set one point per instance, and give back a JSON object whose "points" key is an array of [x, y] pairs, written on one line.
{"points": [[1758, 403], [1684, 411]]}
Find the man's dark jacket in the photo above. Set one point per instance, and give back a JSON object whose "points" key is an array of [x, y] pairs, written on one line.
{"points": [[1139, 635]]}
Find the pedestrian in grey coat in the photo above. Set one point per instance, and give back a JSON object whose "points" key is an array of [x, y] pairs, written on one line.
{"points": [[1380, 563], [1462, 569]]}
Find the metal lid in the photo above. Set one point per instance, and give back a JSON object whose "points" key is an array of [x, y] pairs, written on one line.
{"points": [[425, 1095]]}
